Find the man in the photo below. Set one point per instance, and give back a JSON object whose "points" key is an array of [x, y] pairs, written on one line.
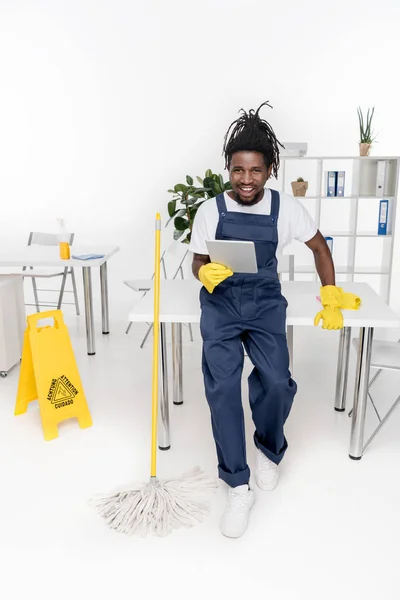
{"points": [[249, 310]]}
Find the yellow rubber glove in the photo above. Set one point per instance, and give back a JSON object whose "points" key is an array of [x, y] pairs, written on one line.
{"points": [[331, 300], [350, 301], [331, 317], [213, 274]]}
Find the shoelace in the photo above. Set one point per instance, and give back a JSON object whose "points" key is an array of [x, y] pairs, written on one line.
{"points": [[237, 500], [264, 464]]}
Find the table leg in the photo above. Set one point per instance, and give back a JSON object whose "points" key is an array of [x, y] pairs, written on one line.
{"points": [[164, 441], [177, 362], [104, 298], [342, 369], [361, 393], [87, 292]]}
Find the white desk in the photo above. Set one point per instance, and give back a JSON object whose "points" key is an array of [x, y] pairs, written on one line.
{"points": [[48, 256], [179, 304]]}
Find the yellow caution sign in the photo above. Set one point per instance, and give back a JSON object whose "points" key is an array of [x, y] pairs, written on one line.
{"points": [[49, 374]]}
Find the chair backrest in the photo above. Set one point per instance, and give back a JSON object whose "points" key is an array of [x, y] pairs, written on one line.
{"points": [[173, 258], [177, 249], [36, 238], [286, 265]]}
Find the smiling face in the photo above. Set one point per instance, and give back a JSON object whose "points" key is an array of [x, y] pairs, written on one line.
{"points": [[248, 175]]}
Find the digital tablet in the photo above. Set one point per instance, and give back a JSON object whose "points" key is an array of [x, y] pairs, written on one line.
{"points": [[239, 256]]}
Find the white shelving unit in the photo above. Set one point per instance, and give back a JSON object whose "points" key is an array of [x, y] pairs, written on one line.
{"points": [[359, 253]]}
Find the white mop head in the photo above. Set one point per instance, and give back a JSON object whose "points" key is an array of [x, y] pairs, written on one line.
{"points": [[158, 507]]}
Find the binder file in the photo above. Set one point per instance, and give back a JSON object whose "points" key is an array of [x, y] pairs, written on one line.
{"points": [[331, 184], [340, 183], [383, 217], [380, 178], [329, 241]]}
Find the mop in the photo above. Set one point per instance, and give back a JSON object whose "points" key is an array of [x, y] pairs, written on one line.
{"points": [[158, 506]]}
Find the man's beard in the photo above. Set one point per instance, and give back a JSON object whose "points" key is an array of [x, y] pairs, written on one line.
{"points": [[255, 200]]}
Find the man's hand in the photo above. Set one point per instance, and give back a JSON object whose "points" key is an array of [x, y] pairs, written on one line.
{"points": [[331, 300], [331, 316], [210, 274], [198, 261], [331, 296], [213, 274]]}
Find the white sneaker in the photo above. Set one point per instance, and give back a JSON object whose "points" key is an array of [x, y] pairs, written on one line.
{"points": [[267, 472], [236, 516]]}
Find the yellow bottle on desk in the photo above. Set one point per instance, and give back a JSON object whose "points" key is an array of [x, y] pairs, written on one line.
{"points": [[65, 252]]}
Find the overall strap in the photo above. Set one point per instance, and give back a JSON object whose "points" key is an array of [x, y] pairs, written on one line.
{"points": [[275, 202], [221, 204]]}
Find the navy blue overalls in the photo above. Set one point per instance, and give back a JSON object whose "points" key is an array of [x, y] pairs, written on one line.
{"points": [[247, 310]]}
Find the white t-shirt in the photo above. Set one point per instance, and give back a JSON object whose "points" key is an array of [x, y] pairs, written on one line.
{"points": [[294, 221]]}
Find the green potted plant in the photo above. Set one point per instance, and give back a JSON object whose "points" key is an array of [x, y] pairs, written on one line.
{"points": [[299, 187], [188, 197], [366, 133]]}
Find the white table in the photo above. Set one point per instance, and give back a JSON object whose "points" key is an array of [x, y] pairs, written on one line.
{"points": [[179, 304], [48, 256]]}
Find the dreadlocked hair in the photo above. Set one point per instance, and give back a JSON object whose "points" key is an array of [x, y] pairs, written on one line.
{"points": [[251, 133]]}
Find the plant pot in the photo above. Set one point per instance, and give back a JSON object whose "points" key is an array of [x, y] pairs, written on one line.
{"points": [[364, 149], [299, 188]]}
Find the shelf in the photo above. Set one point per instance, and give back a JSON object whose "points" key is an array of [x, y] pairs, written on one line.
{"points": [[342, 270], [350, 234], [312, 269], [353, 197], [350, 219], [371, 271], [363, 158], [330, 197], [372, 234], [334, 234], [305, 197], [376, 197], [304, 269], [346, 197]]}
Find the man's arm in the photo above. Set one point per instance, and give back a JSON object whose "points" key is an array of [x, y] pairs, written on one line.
{"points": [[198, 261], [323, 259]]}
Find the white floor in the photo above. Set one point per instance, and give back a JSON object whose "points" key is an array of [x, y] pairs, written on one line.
{"points": [[330, 530]]}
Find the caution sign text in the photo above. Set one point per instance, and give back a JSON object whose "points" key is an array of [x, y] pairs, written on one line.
{"points": [[62, 392]]}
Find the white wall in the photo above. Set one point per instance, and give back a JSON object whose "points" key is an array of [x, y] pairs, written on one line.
{"points": [[106, 104]]}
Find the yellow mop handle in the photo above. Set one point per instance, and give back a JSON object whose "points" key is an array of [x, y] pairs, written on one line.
{"points": [[156, 329]]}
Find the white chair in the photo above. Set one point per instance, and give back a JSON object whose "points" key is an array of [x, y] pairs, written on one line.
{"points": [[286, 265], [175, 253], [384, 356], [50, 239]]}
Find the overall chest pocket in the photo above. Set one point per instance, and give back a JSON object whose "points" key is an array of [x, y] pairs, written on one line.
{"points": [[253, 232]]}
